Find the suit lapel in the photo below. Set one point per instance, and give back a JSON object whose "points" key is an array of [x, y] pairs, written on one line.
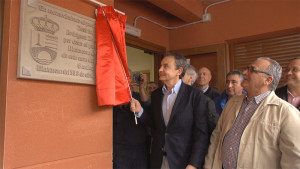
{"points": [[160, 102], [179, 97]]}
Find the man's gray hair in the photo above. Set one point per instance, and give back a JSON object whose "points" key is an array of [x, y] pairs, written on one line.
{"points": [[190, 70], [274, 70], [180, 61], [236, 72]]}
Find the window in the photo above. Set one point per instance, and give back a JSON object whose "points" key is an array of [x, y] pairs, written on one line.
{"points": [[280, 48]]}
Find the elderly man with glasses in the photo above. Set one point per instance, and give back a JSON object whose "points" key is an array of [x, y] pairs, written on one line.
{"points": [[257, 129]]}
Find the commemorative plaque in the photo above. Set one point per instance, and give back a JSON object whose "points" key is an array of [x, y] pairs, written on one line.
{"points": [[56, 44]]}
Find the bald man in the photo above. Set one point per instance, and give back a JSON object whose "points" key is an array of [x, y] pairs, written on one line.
{"points": [[203, 83]]}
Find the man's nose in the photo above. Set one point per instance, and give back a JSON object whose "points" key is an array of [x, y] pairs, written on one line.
{"points": [[289, 71], [160, 69]]}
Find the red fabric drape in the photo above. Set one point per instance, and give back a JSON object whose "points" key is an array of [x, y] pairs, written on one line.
{"points": [[111, 82]]}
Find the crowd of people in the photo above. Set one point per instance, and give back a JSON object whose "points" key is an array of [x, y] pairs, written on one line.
{"points": [[251, 124]]}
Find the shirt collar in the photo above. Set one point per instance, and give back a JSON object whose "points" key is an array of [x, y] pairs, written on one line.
{"points": [[175, 89], [258, 99], [290, 94], [205, 90]]}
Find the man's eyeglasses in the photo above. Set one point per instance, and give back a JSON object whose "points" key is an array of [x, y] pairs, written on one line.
{"points": [[253, 69]]}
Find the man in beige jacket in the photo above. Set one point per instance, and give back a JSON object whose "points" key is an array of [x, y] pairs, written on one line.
{"points": [[258, 129]]}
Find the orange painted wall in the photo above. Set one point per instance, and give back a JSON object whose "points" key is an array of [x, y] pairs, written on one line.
{"points": [[230, 20], [236, 19], [150, 31], [49, 124]]}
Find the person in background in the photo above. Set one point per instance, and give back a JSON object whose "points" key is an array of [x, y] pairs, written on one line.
{"points": [[190, 78], [129, 139], [178, 118], [234, 81], [151, 86], [190, 75], [135, 87], [203, 83], [142, 82], [257, 129], [291, 91]]}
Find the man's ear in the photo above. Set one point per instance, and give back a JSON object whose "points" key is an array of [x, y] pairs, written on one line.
{"points": [[180, 70], [209, 77], [269, 80], [191, 77]]}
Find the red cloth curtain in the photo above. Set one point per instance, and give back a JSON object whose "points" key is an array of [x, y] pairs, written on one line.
{"points": [[111, 70]]}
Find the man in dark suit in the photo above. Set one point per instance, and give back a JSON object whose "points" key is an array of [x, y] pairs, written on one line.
{"points": [[203, 83], [291, 91], [178, 118]]}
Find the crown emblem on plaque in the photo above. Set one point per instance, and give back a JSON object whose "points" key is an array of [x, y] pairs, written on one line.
{"points": [[44, 24]]}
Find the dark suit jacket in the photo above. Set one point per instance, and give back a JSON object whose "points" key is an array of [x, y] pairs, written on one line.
{"points": [[185, 138], [282, 93], [125, 132], [212, 114], [212, 93]]}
